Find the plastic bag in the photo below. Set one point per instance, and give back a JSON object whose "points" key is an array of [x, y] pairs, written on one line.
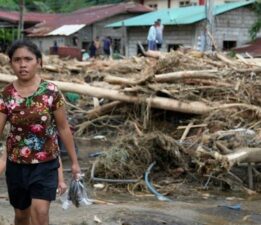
{"points": [[65, 201], [77, 195]]}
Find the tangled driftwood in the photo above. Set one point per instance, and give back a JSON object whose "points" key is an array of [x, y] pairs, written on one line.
{"points": [[172, 104]]}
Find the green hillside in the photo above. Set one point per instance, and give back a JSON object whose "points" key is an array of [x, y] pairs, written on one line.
{"points": [[53, 5]]}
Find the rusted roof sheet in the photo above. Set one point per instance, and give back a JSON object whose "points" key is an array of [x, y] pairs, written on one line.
{"points": [[29, 17], [253, 48], [87, 16]]}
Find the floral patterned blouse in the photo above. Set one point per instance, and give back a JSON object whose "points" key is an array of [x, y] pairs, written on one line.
{"points": [[33, 134]]}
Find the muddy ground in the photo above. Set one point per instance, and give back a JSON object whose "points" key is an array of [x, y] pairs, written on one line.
{"points": [[196, 207]]}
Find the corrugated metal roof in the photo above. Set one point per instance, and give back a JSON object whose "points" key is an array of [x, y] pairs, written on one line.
{"points": [[253, 48], [178, 16], [87, 16], [29, 17], [67, 30]]}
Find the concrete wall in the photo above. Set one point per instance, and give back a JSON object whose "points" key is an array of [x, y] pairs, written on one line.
{"points": [[86, 35], [44, 43], [100, 30], [163, 4], [173, 35], [234, 26]]}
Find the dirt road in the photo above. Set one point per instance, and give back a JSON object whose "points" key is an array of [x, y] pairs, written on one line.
{"points": [[124, 209]]}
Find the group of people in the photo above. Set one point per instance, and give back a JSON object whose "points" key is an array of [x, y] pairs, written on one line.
{"points": [[155, 36], [97, 46], [35, 110]]}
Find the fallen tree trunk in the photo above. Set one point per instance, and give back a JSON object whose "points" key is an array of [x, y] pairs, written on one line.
{"points": [[241, 155], [100, 110], [208, 82], [245, 155], [121, 80], [150, 53], [225, 59], [154, 102], [193, 107], [200, 74]]}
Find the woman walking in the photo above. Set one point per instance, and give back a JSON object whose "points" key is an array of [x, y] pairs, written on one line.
{"points": [[35, 110]]}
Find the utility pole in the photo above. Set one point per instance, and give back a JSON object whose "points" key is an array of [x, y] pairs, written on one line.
{"points": [[20, 34], [210, 24]]}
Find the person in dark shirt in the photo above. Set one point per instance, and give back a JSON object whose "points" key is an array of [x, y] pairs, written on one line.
{"points": [[92, 50], [107, 46]]}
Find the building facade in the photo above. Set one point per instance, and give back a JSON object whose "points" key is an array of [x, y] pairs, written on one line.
{"points": [[91, 23], [164, 4], [231, 29]]}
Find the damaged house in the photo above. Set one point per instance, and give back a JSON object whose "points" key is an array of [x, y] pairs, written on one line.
{"points": [[9, 23], [186, 27], [79, 28]]}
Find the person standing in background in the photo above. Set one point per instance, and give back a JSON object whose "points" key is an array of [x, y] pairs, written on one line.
{"points": [[55, 47], [92, 50], [151, 38], [159, 34], [107, 46], [97, 44]]}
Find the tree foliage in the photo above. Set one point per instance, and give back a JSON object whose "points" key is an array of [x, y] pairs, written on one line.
{"points": [[8, 4], [53, 5], [256, 27]]}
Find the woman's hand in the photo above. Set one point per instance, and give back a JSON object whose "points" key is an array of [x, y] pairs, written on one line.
{"points": [[76, 171], [62, 187]]}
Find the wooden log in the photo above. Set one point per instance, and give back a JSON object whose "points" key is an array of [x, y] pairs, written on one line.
{"points": [[154, 54], [52, 68], [193, 126], [214, 63], [121, 80], [240, 155], [209, 82], [194, 107], [186, 131], [245, 155], [224, 59], [198, 74], [149, 53], [213, 41], [255, 108], [100, 110]]}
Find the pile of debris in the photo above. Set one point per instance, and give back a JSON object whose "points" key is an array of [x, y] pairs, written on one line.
{"points": [[195, 115]]}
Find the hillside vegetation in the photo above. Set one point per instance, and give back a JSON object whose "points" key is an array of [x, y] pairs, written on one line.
{"points": [[53, 6]]}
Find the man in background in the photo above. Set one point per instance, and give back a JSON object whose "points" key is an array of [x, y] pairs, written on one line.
{"points": [[107, 41], [159, 34], [152, 37]]}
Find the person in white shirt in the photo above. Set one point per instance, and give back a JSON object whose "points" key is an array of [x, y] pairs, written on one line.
{"points": [[152, 37], [159, 34]]}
